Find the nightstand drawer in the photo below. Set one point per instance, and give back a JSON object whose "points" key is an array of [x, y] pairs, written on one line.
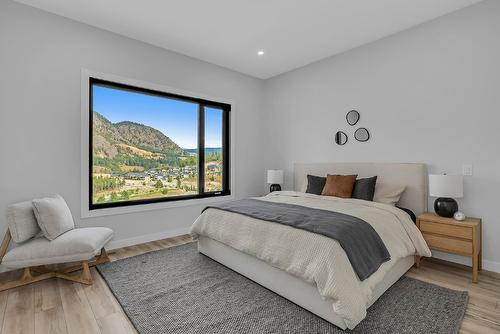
{"points": [[448, 230], [448, 244]]}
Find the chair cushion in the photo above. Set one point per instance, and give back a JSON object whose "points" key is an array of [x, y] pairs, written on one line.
{"points": [[22, 221], [76, 245], [53, 216]]}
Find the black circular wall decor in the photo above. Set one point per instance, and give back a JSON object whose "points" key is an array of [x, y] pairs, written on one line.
{"points": [[340, 138], [362, 134], [352, 117]]}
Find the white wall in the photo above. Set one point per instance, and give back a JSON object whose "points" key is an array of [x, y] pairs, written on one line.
{"points": [[429, 94], [41, 57]]}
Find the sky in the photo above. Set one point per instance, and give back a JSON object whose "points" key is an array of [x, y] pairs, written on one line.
{"points": [[178, 120]]}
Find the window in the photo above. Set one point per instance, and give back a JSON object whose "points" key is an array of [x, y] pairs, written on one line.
{"points": [[149, 146]]}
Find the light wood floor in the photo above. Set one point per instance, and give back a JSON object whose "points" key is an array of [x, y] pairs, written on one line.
{"points": [[57, 306]]}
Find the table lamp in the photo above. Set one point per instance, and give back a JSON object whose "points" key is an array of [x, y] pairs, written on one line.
{"points": [[446, 188], [275, 178]]}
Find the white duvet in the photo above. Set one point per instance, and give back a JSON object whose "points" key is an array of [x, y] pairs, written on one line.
{"points": [[315, 258]]}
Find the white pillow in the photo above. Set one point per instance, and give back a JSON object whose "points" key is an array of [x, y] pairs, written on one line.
{"points": [[388, 193], [22, 221], [53, 216]]}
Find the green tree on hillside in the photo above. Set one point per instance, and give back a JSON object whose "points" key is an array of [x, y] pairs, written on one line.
{"points": [[213, 156], [125, 195]]}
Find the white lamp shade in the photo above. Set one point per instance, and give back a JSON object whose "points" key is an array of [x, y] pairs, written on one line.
{"points": [[275, 176], [446, 186]]}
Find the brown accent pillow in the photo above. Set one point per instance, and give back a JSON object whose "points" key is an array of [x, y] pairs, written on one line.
{"points": [[339, 185]]}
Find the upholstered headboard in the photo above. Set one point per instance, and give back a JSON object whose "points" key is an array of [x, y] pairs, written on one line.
{"points": [[412, 175]]}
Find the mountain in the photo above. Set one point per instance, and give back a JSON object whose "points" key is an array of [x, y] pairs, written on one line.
{"points": [[110, 139], [103, 127], [146, 138]]}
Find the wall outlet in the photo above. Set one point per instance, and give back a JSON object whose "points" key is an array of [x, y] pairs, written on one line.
{"points": [[467, 170]]}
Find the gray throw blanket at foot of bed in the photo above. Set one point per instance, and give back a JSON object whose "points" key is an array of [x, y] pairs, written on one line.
{"points": [[363, 246]]}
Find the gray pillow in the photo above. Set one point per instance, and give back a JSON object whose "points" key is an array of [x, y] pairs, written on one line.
{"points": [[22, 221], [53, 216], [364, 188], [315, 184]]}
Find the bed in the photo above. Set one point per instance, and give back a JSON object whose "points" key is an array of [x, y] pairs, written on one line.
{"points": [[312, 270]]}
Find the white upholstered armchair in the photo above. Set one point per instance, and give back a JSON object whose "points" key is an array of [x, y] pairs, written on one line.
{"points": [[44, 234]]}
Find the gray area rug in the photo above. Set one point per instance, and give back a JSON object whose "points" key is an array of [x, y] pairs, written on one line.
{"points": [[178, 290]]}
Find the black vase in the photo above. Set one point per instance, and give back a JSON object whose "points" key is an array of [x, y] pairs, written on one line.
{"points": [[445, 207], [275, 187]]}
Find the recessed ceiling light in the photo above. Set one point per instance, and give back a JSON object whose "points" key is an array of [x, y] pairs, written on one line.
{"points": [[260, 52]]}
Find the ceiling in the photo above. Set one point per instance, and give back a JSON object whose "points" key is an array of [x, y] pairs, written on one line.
{"points": [[229, 33]]}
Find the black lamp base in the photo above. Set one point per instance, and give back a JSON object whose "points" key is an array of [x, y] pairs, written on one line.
{"points": [[275, 187], [445, 207]]}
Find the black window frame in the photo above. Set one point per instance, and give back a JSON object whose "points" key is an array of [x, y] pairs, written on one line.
{"points": [[202, 104]]}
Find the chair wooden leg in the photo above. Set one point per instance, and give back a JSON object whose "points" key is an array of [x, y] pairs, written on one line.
{"points": [[26, 278], [40, 273], [26, 275], [86, 276], [103, 258], [41, 270], [5, 244]]}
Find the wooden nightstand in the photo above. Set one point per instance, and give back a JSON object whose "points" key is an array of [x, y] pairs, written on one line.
{"points": [[452, 236]]}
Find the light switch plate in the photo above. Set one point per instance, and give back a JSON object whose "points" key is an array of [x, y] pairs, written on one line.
{"points": [[467, 170]]}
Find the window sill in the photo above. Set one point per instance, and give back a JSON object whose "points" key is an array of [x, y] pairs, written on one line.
{"points": [[86, 213]]}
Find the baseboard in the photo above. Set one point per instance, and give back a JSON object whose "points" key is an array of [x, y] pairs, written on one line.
{"points": [[487, 264], [491, 266], [114, 244]]}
